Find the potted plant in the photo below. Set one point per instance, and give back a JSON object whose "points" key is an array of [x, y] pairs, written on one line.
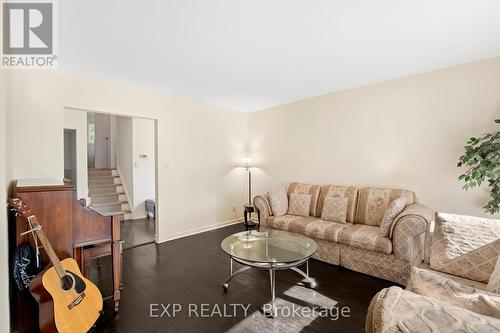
{"points": [[482, 162]]}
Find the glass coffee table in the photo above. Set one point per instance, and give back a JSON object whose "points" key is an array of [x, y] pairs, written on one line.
{"points": [[270, 250]]}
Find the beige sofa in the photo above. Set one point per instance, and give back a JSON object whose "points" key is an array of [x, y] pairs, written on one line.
{"points": [[398, 310], [357, 244], [449, 292]]}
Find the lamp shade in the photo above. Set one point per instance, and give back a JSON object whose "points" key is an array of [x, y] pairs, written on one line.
{"points": [[247, 162]]}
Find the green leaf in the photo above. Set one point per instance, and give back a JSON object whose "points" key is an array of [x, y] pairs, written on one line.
{"points": [[482, 162]]}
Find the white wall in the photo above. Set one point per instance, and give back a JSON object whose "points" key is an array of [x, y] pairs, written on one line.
{"points": [[77, 120], [4, 271], [404, 133], [125, 155], [143, 131], [113, 142], [4, 174]]}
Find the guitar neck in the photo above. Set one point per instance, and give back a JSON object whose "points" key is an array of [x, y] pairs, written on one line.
{"points": [[54, 259]]}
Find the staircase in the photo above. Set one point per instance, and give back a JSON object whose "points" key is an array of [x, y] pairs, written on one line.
{"points": [[107, 194]]}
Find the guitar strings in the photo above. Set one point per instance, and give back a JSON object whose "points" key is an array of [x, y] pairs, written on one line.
{"points": [[37, 248]]}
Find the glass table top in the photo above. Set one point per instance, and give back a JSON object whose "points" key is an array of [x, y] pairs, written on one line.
{"points": [[273, 246]]}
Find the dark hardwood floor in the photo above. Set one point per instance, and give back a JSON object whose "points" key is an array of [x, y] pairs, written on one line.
{"points": [[192, 270], [137, 232]]}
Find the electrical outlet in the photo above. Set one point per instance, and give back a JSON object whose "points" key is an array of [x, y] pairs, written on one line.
{"points": [[234, 208]]}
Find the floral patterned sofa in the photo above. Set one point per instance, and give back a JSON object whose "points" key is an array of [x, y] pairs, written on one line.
{"points": [[358, 244], [456, 289]]}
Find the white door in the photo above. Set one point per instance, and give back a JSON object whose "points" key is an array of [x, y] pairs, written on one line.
{"points": [[102, 141]]}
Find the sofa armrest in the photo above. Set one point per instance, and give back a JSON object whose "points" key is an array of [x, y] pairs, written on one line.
{"points": [[369, 327], [261, 204], [409, 230]]}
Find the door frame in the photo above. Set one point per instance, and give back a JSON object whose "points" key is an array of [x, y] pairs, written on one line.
{"points": [[156, 137]]}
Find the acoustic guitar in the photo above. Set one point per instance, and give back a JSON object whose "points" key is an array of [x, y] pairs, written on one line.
{"points": [[77, 303]]}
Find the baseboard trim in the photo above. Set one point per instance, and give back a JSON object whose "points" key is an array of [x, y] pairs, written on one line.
{"points": [[139, 216], [200, 230]]}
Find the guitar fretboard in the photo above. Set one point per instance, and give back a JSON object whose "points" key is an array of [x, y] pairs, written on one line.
{"points": [[54, 259]]}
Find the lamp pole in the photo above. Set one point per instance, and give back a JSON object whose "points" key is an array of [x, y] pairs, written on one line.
{"points": [[249, 182], [249, 209], [249, 187]]}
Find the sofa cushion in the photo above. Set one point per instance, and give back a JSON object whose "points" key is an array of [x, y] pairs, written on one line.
{"points": [[366, 237], [300, 188], [351, 193], [308, 226], [278, 200], [373, 202], [461, 280], [335, 209], [465, 246], [424, 282], [395, 208], [285, 222], [494, 281], [325, 229], [299, 204]]}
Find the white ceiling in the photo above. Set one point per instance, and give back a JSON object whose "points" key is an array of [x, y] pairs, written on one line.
{"points": [[252, 54]]}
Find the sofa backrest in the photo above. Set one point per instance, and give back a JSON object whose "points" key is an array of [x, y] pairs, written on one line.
{"points": [[373, 202], [301, 188], [350, 192]]}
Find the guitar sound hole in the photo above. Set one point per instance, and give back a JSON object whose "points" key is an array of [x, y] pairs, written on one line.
{"points": [[66, 282]]}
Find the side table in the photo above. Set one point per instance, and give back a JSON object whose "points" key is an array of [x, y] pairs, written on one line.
{"points": [[249, 223]]}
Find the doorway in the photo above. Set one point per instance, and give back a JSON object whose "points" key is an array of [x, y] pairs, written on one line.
{"points": [[120, 153], [135, 147], [122, 180], [70, 169]]}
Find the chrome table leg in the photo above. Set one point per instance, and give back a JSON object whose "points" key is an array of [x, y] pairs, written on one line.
{"points": [[242, 269], [312, 282], [272, 311], [272, 273]]}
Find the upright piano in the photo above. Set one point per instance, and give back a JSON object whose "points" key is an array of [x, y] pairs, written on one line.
{"points": [[73, 229]]}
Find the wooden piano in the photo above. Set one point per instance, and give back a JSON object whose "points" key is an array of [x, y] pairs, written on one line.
{"points": [[74, 231]]}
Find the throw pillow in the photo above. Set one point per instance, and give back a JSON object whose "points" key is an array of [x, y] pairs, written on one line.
{"points": [[299, 204], [278, 201], [335, 209], [494, 281], [395, 208], [426, 283]]}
